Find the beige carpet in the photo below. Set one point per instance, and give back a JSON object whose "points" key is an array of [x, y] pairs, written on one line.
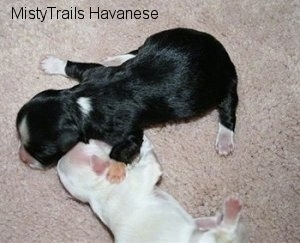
{"points": [[262, 38]]}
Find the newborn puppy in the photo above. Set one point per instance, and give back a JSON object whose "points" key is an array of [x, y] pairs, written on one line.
{"points": [[175, 75], [135, 210]]}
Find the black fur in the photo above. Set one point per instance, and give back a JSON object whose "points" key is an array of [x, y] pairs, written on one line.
{"points": [[176, 74]]}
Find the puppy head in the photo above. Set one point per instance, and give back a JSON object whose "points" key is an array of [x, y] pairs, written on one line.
{"points": [[46, 129], [83, 169]]}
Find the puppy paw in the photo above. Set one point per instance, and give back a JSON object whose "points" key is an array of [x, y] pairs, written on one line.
{"points": [[224, 147], [224, 143], [232, 208], [116, 172], [54, 66]]}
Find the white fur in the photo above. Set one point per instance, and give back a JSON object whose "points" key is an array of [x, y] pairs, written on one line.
{"points": [[34, 164], [28, 159], [84, 105], [135, 210], [224, 142], [54, 65], [116, 60], [23, 130]]}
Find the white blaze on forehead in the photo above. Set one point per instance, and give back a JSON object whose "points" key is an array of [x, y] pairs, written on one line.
{"points": [[24, 132], [84, 105]]}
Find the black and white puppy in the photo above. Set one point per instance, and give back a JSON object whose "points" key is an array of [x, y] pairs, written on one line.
{"points": [[175, 75]]}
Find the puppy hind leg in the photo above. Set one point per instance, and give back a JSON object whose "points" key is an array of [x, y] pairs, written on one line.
{"points": [[116, 60], [227, 117], [232, 209], [228, 219], [228, 230], [224, 142], [207, 223]]}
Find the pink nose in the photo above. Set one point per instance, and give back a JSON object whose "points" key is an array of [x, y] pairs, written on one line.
{"points": [[25, 156]]}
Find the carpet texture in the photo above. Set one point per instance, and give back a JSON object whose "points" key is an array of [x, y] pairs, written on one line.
{"points": [[262, 38]]}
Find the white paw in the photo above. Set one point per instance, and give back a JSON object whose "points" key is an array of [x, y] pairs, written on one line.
{"points": [[232, 208], [54, 65], [224, 143]]}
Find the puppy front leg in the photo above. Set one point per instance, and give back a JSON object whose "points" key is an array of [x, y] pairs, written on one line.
{"points": [[123, 153], [118, 60], [55, 66], [147, 172], [126, 150]]}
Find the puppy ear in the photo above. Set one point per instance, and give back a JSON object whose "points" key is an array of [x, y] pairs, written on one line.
{"points": [[67, 140], [98, 165]]}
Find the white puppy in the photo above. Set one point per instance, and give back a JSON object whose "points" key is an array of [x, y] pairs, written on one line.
{"points": [[136, 210]]}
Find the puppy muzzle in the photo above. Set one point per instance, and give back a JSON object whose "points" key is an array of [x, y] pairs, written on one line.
{"points": [[28, 159]]}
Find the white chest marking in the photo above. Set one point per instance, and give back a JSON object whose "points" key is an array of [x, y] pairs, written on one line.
{"points": [[85, 105]]}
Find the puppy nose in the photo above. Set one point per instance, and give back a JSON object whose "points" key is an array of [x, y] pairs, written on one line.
{"points": [[23, 154], [29, 160]]}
